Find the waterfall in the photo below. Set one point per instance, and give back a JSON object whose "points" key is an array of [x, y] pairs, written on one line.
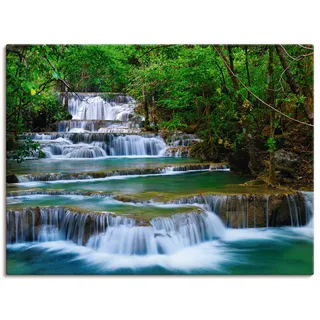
{"points": [[134, 145], [125, 239], [102, 125], [309, 207], [267, 212], [104, 232], [90, 106], [184, 230], [71, 126], [113, 143], [108, 233], [294, 210], [95, 145], [55, 223], [257, 211]]}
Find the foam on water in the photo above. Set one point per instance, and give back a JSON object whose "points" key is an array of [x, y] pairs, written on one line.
{"points": [[214, 256], [206, 256]]}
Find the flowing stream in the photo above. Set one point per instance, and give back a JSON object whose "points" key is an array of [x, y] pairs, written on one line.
{"points": [[107, 199]]}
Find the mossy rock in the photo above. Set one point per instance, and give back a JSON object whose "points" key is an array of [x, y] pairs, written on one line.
{"points": [[11, 178]]}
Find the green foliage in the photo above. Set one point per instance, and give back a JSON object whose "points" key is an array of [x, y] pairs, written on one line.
{"points": [[26, 148], [179, 87], [175, 124], [271, 144]]}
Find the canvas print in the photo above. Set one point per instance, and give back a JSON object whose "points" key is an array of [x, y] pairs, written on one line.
{"points": [[159, 159]]}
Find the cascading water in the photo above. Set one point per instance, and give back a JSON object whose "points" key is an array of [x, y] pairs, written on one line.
{"points": [[164, 236], [309, 207], [106, 233], [106, 128], [95, 145], [242, 211], [182, 140], [91, 106], [134, 145], [101, 126]]}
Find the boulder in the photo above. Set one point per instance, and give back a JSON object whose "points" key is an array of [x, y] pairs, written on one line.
{"points": [[11, 178], [286, 159]]}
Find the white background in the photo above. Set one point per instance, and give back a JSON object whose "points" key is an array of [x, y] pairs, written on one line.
{"points": [[179, 297]]}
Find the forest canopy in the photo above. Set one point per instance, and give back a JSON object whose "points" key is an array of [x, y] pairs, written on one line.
{"points": [[244, 102]]}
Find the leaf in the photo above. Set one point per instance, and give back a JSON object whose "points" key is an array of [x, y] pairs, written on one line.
{"points": [[55, 75], [27, 86], [33, 92]]}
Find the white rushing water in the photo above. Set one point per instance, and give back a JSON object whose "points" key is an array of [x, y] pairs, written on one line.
{"points": [[309, 207], [114, 234], [111, 234], [96, 145], [211, 256], [104, 126], [94, 107]]}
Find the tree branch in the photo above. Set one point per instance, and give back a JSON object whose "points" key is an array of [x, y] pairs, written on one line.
{"points": [[263, 102]]}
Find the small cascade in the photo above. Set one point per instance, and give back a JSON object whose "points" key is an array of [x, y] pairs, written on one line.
{"points": [[54, 223], [108, 128], [184, 230], [72, 126], [92, 106], [256, 210], [103, 126], [294, 210], [267, 212], [66, 149], [104, 232], [125, 239], [182, 140], [134, 145], [164, 236], [120, 130], [95, 145], [107, 233], [178, 152], [309, 207]]}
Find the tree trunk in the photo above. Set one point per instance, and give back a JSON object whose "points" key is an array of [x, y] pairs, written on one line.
{"points": [[271, 101], [295, 88], [245, 128], [289, 77], [230, 69], [146, 110], [66, 97], [247, 69]]}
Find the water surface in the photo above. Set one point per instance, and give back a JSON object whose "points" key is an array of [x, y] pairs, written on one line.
{"points": [[283, 251]]}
